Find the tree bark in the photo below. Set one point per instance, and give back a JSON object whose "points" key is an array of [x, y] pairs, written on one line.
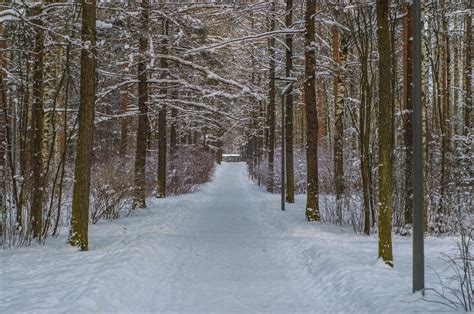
{"points": [[290, 176], [338, 91], [62, 121], [271, 105], [260, 140], [442, 211], [125, 123], [37, 127], [25, 147], [408, 111], [385, 134], [365, 126], [312, 196], [3, 136], [363, 45], [173, 131], [321, 105], [424, 104], [80, 198], [162, 147], [468, 74], [142, 132]]}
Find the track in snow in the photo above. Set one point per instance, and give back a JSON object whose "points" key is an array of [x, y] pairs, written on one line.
{"points": [[225, 262]]}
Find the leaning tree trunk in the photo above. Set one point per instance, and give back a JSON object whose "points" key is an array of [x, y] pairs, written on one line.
{"points": [[312, 197], [142, 132], [37, 127], [385, 136], [162, 169], [82, 172], [290, 176]]}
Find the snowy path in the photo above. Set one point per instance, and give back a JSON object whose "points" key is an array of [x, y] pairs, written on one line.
{"points": [[199, 252], [226, 248], [225, 263]]}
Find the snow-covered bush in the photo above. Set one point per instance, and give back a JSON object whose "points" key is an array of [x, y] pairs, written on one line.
{"points": [[352, 212], [111, 191], [459, 291], [190, 166], [112, 185]]}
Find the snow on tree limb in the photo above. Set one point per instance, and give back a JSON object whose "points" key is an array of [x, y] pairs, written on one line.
{"points": [[213, 76], [243, 39]]}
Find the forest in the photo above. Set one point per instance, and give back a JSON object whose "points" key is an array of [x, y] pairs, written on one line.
{"points": [[106, 105]]}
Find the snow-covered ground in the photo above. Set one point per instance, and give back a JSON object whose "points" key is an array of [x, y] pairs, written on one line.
{"points": [[225, 248]]}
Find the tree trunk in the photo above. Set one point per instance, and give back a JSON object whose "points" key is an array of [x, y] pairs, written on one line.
{"points": [[142, 132], [125, 123], [385, 136], [444, 125], [424, 104], [321, 122], [365, 122], [37, 127], [249, 153], [58, 118], [456, 86], [271, 105], [162, 168], [62, 121], [393, 23], [3, 136], [338, 91], [260, 140], [80, 198], [312, 197], [194, 134], [290, 176], [173, 135], [468, 74], [408, 111], [25, 148]]}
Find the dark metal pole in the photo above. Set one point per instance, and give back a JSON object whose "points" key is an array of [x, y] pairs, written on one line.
{"points": [[283, 146], [418, 193], [290, 81]]}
